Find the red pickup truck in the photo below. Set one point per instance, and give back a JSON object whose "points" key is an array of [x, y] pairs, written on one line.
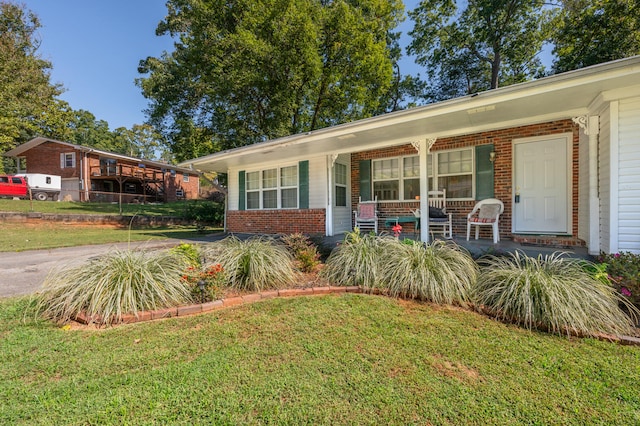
{"points": [[13, 186]]}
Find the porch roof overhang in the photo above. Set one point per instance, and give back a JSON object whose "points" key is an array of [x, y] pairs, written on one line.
{"points": [[551, 98]]}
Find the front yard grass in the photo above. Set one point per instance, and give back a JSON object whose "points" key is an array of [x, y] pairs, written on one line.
{"points": [[347, 359], [17, 236]]}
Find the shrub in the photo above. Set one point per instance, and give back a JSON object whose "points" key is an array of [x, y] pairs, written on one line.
{"points": [[624, 272], [109, 286], [255, 264], [439, 272], [205, 212], [303, 251], [190, 252], [551, 292], [355, 261], [206, 285]]}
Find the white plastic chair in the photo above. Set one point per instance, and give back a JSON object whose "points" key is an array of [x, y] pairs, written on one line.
{"points": [[366, 215], [486, 213], [438, 200]]}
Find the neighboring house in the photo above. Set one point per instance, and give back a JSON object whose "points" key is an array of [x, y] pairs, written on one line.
{"points": [[561, 152], [93, 175]]}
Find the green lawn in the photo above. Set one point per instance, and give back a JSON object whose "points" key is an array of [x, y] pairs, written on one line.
{"points": [[64, 207], [348, 359], [19, 236]]}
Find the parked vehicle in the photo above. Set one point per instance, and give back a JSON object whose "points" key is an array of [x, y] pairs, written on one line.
{"points": [[42, 186], [13, 186]]}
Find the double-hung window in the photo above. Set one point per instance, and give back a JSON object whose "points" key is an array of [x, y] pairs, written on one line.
{"points": [[396, 178], [455, 172], [67, 160], [272, 188], [340, 171]]}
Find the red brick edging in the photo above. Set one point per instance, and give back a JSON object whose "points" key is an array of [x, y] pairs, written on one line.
{"points": [[182, 311]]}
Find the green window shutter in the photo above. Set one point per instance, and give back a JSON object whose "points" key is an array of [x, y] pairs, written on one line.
{"points": [[241, 186], [365, 180], [303, 183], [484, 172]]}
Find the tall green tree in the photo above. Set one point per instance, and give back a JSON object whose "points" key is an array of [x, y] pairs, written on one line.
{"points": [[590, 32], [487, 44], [244, 71], [28, 100]]}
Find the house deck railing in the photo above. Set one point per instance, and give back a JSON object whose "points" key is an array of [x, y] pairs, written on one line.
{"points": [[126, 170]]}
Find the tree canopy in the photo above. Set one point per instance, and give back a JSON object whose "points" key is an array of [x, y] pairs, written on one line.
{"points": [[487, 44], [590, 32], [249, 70], [29, 102]]}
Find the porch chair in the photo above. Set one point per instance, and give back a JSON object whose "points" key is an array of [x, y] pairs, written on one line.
{"points": [[439, 219], [486, 213], [366, 215]]}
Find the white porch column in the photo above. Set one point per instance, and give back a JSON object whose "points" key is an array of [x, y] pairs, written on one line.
{"points": [[591, 127], [331, 160], [423, 146]]}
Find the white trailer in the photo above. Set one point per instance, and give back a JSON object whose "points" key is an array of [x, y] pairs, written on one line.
{"points": [[44, 186]]}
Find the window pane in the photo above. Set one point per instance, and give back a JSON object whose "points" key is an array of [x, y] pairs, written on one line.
{"points": [[386, 190], [411, 167], [270, 199], [341, 196], [411, 189], [430, 166], [455, 162], [289, 176], [253, 181], [290, 198], [385, 169], [341, 174], [457, 186], [253, 200], [270, 178]]}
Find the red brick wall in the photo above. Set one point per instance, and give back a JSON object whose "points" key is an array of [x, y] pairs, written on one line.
{"points": [[307, 221], [45, 158], [503, 144]]}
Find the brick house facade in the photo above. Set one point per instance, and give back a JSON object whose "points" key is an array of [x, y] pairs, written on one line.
{"points": [[94, 175]]}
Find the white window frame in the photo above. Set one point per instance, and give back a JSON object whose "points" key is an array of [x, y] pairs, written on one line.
{"points": [[339, 184], [400, 179], [279, 187], [63, 160], [185, 178], [437, 175]]}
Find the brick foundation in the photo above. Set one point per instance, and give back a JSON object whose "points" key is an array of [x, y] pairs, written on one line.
{"points": [[307, 221]]}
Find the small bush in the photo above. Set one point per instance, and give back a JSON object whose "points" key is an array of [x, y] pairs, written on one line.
{"points": [[438, 272], [254, 265], [551, 292], [206, 285], [355, 261], [190, 252], [624, 272], [303, 251], [205, 212], [115, 284]]}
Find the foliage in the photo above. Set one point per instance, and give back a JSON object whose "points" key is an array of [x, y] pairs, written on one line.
{"points": [[241, 73], [589, 32], [205, 284], [255, 264], [205, 212], [549, 292], [190, 252], [303, 251], [117, 283], [28, 100], [623, 270], [330, 360], [438, 272], [486, 45], [355, 261]]}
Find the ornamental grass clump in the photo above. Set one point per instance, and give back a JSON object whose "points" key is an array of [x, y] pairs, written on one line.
{"points": [[120, 282], [355, 261], [439, 272], [255, 264], [551, 292]]}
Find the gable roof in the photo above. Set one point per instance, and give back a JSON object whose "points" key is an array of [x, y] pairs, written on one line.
{"points": [[551, 98], [21, 149]]}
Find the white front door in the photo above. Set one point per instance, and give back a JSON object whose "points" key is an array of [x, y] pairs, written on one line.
{"points": [[542, 175]]}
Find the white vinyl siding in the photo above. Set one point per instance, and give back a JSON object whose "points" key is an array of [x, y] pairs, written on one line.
{"points": [[629, 175]]}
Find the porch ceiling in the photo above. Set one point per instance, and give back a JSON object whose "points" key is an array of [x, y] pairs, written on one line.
{"points": [[556, 97]]}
